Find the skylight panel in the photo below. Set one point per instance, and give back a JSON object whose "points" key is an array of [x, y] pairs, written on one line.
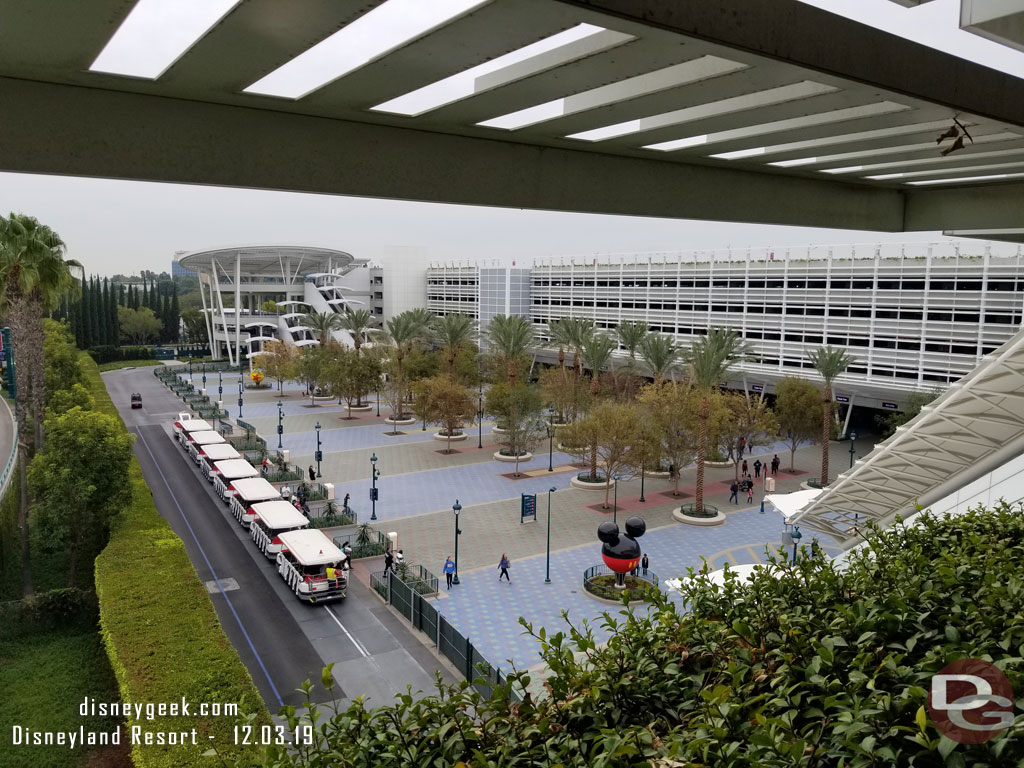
{"points": [[793, 123], [704, 68], [933, 160], [848, 138], [387, 27], [966, 179], [928, 145], [156, 33], [941, 171], [801, 90], [572, 44]]}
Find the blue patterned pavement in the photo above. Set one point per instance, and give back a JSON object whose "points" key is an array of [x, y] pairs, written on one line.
{"points": [[370, 436], [416, 493], [487, 611]]}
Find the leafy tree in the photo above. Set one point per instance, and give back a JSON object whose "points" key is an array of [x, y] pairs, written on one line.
{"points": [[609, 436], [567, 393], [195, 326], [278, 362], [597, 353], [455, 335], [796, 407], [269, 305], [63, 400], [312, 369], [912, 406], [60, 358], [744, 423], [671, 411], [829, 362], [351, 375], [518, 409], [709, 360], [138, 326], [509, 339], [442, 401], [80, 483]]}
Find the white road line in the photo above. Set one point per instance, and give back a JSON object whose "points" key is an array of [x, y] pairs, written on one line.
{"points": [[359, 646]]}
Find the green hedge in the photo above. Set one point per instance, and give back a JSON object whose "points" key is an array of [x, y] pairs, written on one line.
{"points": [[113, 354], [58, 608], [160, 629], [10, 539]]}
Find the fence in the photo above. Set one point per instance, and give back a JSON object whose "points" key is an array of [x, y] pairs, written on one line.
{"points": [[610, 592], [12, 460], [422, 614], [366, 549]]}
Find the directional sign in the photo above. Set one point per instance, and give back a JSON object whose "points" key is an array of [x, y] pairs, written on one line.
{"points": [[374, 494], [318, 456], [528, 508]]}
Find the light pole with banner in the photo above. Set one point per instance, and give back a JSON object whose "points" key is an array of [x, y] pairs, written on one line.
{"points": [[551, 437], [547, 562], [280, 423], [374, 474], [240, 385], [456, 508]]}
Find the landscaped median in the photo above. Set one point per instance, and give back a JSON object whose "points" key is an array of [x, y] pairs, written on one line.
{"points": [[161, 632]]}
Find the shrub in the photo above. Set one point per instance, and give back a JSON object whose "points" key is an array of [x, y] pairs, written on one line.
{"points": [[814, 664], [113, 354], [160, 629]]}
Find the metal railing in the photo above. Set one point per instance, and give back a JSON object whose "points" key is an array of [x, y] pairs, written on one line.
{"points": [[360, 550], [611, 593], [12, 460], [690, 510], [423, 615]]}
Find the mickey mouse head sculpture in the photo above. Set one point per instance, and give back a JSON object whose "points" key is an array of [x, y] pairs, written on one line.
{"points": [[621, 553]]}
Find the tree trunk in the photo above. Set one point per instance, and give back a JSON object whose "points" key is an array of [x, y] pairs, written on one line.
{"points": [[607, 488], [593, 463], [448, 445], [26, 550], [702, 451], [826, 432], [792, 459], [18, 317]]}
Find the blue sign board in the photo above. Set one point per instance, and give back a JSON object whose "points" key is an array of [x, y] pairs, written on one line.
{"points": [[528, 508]]}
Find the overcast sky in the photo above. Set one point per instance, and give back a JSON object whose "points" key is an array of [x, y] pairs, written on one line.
{"points": [[119, 226]]}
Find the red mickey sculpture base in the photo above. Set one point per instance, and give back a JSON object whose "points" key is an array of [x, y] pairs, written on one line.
{"points": [[621, 553]]}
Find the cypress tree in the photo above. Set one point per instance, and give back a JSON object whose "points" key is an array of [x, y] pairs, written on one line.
{"points": [[174, 316], [86, 300], [95, 313], [145, 295], [105, 312]]}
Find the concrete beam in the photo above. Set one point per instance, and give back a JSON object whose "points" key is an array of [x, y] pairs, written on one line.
{"points": [[967, 207], [789, 30], [69, 130]]}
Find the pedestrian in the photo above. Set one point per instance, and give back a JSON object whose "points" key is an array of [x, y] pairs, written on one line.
{"points": [[286, 492], [750, 491], [503, 566], [305, 509], [757, 468], [734, 489], [265, 465], [743, 445], [744, 466], [400, 557], [644, 564], [389, 560], [449, 571], [775, 464], [312, 474]]}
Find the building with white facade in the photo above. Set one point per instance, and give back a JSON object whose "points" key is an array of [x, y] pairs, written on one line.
{"points": [[914, 317]]}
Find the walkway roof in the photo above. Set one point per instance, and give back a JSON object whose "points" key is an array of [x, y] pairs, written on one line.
{"points": [[972, 429], [771, 111]]}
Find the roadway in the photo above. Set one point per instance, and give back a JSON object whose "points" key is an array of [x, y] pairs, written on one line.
{"points": [[281, 641]]}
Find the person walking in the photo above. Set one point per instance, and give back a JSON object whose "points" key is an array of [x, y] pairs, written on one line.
{"points": [[757, 468], [449, 571], [312, 474], [286, 492], [503, 566], [734, 490], [750, 491], [400, 557], [644, 563], [775, 464], [344, 504], [389, 561], [745, 467], [265, 465]]}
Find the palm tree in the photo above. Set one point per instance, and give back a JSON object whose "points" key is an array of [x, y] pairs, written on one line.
{"points": [[358, 322], [829, 362], [324, 324], [34, 277], [660, 353], [402, 332], [632, 336], [510, 337], [453, 333], [597, 352], [710, 359]]}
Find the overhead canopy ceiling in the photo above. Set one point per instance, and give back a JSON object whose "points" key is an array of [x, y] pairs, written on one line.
{"points": [[771, 112], [975, 427]]}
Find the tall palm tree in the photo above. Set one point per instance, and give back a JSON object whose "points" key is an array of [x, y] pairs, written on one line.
{"points": [[709, 360], [597, 352], [829, 362], [660, 353], [632, 336], [453, 333], [324, 324], [34, 277], [402, 332], [358, 322], [510, 337]]}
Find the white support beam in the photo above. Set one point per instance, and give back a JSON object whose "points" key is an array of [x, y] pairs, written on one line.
{"points": [[1001, 21]]}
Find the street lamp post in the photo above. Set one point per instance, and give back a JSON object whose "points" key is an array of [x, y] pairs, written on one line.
{"points": [[204, 374], [239, 398], [551, 437], [378, 398], [547, 565], [615, 507], [856, 515], [456, 508], [796, 540], [220, 384], [280, 423], [319, 456], [374, 474], [190, 370], [480, 414]]}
